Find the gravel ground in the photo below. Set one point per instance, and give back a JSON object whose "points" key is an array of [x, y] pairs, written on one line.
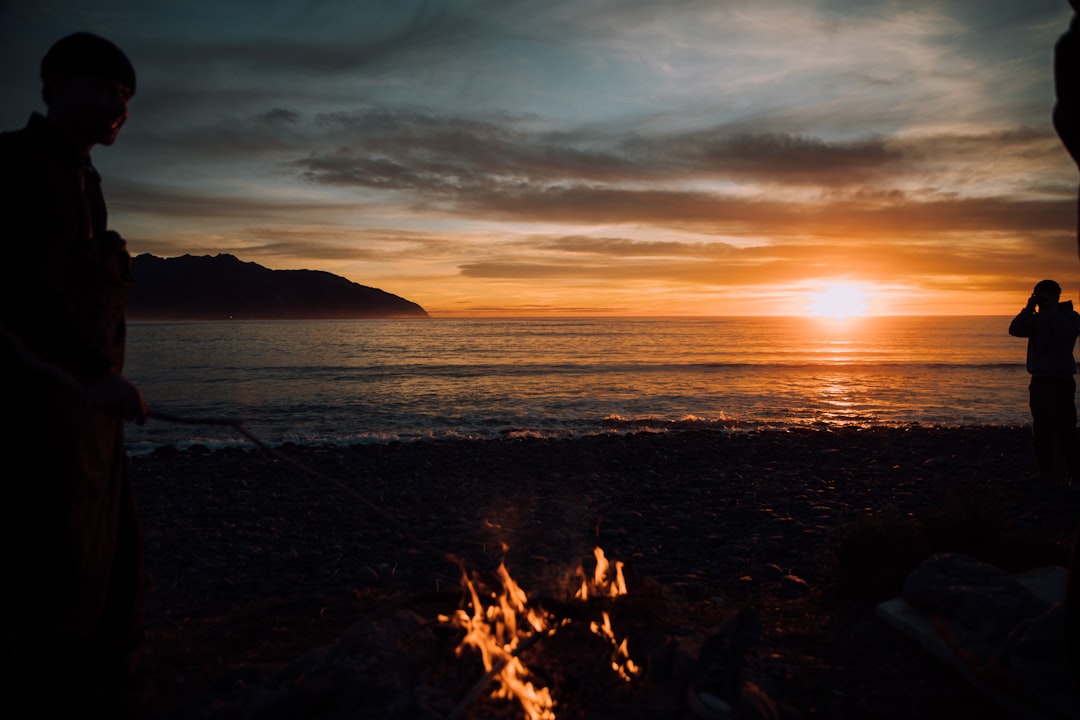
{"points": [[256, 560]]}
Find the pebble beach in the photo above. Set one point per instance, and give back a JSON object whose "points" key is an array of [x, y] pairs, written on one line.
{"points": [[256, 557]]}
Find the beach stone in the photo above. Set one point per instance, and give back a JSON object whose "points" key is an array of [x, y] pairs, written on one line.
{"points": [[793, 586], [375, 671], [743, 514], [226, 516]]}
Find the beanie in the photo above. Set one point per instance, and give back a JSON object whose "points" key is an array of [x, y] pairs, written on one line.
{"points": [[83, 53], [1048, 287]]}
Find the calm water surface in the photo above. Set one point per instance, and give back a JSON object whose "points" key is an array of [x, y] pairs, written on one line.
{"points": [[381, 380]]}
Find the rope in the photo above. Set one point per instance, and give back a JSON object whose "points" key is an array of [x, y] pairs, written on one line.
{"points": [[338, 485], [35, 364], [238, 425]]}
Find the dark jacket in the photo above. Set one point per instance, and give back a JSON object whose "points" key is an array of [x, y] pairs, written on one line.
{"points": [[67, 277], [1051, 334], [67, 514]]}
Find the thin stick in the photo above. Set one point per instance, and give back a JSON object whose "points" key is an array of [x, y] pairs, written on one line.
{"points": [[496, 668], [182, 420], [340, 486]]}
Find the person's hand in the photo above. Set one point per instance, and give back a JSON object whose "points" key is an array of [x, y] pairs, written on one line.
{"points": [[114, 394], [1032, 302]]}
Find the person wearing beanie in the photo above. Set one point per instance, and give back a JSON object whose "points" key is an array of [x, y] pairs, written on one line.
{"points": [[72, 623], [86, 83], [1051, 328]]}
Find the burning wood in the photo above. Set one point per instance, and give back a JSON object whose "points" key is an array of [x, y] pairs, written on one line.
{"points": [[567, 653], [494, 631], [504, 627], [601, 583]]}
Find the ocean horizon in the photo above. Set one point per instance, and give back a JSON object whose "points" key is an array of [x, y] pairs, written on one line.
{"points": [[342, 382]]}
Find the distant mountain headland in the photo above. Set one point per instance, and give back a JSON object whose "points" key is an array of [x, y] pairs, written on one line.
{"points": [[224, 287]]}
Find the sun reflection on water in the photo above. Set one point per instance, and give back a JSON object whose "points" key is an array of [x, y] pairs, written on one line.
{"points": [[843, 401]]}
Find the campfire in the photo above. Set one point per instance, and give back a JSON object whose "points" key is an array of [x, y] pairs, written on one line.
{"points": [[507, 624], [584, 645]]}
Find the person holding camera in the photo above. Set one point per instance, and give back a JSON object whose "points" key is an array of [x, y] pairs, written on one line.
{"points": [[1051, 328]]}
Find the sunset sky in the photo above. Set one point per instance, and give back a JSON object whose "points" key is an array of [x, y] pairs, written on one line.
{"points": [[583, 157]]}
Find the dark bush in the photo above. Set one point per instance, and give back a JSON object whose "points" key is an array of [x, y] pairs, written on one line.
{"points": [[868, 557], [985, 525]]}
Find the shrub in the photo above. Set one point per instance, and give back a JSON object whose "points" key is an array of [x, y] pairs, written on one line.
{"points": [[869, 557]]}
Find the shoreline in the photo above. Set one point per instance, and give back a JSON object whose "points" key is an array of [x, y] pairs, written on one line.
{"points": [[628, 428], [239, 542]]}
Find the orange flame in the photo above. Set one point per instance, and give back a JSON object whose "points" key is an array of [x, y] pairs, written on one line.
{"points": [[498, 630], [602, 584]]}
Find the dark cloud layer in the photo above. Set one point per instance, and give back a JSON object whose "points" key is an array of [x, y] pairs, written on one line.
{"points": [[596, 143], [411, 150]]}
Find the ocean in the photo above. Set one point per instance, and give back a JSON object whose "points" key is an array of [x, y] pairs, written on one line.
{"points": [[376, 381]]}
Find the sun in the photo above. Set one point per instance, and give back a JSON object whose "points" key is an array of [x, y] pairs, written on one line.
{"points": [[839, 300]]}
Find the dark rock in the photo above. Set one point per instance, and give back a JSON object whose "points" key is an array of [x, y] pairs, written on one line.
{"points": [[793, 586]]}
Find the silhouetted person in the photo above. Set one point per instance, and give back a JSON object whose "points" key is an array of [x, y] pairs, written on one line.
{"points": [[1051, 328], [70, 554]]}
